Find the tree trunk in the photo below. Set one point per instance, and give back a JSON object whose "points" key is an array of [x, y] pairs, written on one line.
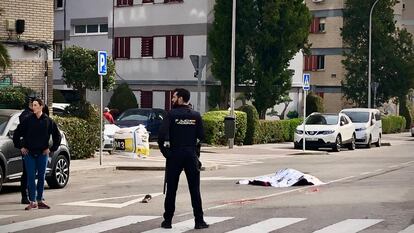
{"points": [[224, 100]]}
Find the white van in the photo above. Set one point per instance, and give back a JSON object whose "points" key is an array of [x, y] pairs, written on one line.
{"points": [[368, 125]]}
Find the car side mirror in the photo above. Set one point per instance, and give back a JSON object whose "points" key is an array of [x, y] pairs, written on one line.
{"points": [[373, 122], [342, 123]]}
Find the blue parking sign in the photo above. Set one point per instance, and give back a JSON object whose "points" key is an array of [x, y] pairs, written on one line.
{"points": [[102, 62], [306, 82]]}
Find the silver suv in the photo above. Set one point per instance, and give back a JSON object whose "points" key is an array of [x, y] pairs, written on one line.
{"points": [[11, 164]]}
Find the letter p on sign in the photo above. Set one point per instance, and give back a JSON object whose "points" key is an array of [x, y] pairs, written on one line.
{"points": [[102, 60]]}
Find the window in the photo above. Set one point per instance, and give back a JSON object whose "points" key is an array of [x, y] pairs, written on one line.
{"points": [[146, 99], [122, 47], [147, 1], [314, 62], [167, 1], [174, 46], [57, 49], [59, 4], [147, 46], [317, 25], [91, 29], [124, 2], [320, 94]]}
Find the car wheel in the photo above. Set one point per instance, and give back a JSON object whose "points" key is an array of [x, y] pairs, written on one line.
{"points": [[369, 144], [378, 143], [338, 142], [296, 145], [351, 146], [60, 173], [1, 177]]}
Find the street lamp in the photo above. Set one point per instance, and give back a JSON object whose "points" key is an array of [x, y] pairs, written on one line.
{"points": [[369, 54], [233, 66]]}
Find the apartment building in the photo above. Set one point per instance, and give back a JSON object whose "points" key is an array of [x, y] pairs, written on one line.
{"points": [[150, 40], [324, 63], [26, 29]]}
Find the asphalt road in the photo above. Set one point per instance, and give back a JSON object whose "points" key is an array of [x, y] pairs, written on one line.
{"points": [[366, 190]]}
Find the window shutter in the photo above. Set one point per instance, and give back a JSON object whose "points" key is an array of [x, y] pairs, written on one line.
{"points": [[168, 97], [127, 47], [118, 2], [116, 49], [180, 46], [130, 2], [147, 47], [314, 62], [146, 99], [307, 63], [168, 46]]}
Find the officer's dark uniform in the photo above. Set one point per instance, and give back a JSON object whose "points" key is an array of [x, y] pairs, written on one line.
{"points": [[23, 180], [182, 127]]}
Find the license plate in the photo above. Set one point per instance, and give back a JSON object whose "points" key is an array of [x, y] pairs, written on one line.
{"points": [[311, 139], [120, 144]]}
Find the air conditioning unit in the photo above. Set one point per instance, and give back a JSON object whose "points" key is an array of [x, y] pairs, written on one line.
{"points": [[316, 1]]}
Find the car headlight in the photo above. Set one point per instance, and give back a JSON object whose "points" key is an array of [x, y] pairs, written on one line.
{"points": [[327, 132], [361, 129], [299, 131]]}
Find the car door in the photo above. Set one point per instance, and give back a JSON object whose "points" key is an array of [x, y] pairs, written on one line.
{"points": [[12, 154], [346, 129]]}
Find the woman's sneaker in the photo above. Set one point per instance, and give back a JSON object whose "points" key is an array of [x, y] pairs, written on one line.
{"points": [[32, 205], [43, 205]]}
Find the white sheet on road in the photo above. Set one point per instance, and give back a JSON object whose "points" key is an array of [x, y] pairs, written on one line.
{"points": [[283, 178]]}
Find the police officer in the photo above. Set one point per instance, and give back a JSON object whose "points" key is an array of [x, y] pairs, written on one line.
{"points": [[182, 128]]}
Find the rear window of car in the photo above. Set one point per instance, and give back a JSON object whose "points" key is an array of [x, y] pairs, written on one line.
{"points": [[322, 120], [358, 117], [3, 123], [134, 115]]}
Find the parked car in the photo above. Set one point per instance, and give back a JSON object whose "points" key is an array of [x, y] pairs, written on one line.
{"points": [[151, 118], [59, 109], [368, 125], [11, 165], [326, 131]]}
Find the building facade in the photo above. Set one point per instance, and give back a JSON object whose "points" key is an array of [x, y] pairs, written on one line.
{"points": [[26, 29]]}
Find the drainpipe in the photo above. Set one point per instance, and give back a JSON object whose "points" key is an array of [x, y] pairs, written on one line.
{"points": [[46, 78]]}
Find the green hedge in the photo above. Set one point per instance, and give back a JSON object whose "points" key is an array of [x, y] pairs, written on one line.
{"points": [[82, 135], [393, 124], [252, 123], [276, 130], [213, 122]]}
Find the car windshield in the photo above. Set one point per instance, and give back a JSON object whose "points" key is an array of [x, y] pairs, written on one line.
{"points": [[322, 120], [3, 123], [358, 117], [134, 115]]}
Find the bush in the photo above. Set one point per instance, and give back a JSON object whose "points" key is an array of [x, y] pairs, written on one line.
{"points": [[277, 130], [123, 98], [82, 136], [314, 103], [252, 123], [405, 112], [393, 124], [214, 127], [14, 97], [292, 114]]}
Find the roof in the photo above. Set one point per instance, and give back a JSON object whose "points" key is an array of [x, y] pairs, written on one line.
{"points": [[9, 112], [359, 110]]}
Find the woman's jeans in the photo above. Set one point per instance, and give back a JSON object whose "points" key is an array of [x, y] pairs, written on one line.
{"points": [[35, 163]]}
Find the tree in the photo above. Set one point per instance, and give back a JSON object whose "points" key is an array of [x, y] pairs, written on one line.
{"points": [[123, 98], [79, 66], [4, 58], [268, 34], [384, 50]]}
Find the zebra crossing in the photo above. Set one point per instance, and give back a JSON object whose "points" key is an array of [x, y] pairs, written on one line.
{"points": [[267, 225]]}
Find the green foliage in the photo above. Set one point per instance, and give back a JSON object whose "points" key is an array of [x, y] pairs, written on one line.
{"points": [[82, 136], [123, 98], [14, 97], [292, 114], [58, 96], [405, 112], [270, 131], [392, 53], [213, 123], [252, 123], [82, 109], [5, 60], [393, 124], [79, 67], [269, 33], [314, 103]]}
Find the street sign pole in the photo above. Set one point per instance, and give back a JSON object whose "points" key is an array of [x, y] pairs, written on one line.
{"points": [[198, 63], [102, 70], [306, 88]]}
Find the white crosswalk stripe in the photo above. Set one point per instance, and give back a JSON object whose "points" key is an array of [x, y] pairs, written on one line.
{"points": [[268, 225], [409, 229], [188, 225], [19, 226], [110, 224], [6, 216], [349, 226]]}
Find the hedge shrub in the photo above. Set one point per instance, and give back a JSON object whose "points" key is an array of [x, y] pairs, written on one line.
{"points": [[270, 131], [252, 123], [393, 124], [123, 98], [14, 97], [213, 122], [314, 103]]}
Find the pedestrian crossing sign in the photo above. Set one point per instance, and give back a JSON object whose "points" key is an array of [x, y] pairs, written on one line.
{"points": [[306, 82]]}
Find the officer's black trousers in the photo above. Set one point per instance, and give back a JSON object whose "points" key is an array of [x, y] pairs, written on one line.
{"points": [[183, 158], [23, 182]]}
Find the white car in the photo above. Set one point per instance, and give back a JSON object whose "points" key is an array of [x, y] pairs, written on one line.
{"points": [[109, 132], [326, 131], [368, 125]]}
